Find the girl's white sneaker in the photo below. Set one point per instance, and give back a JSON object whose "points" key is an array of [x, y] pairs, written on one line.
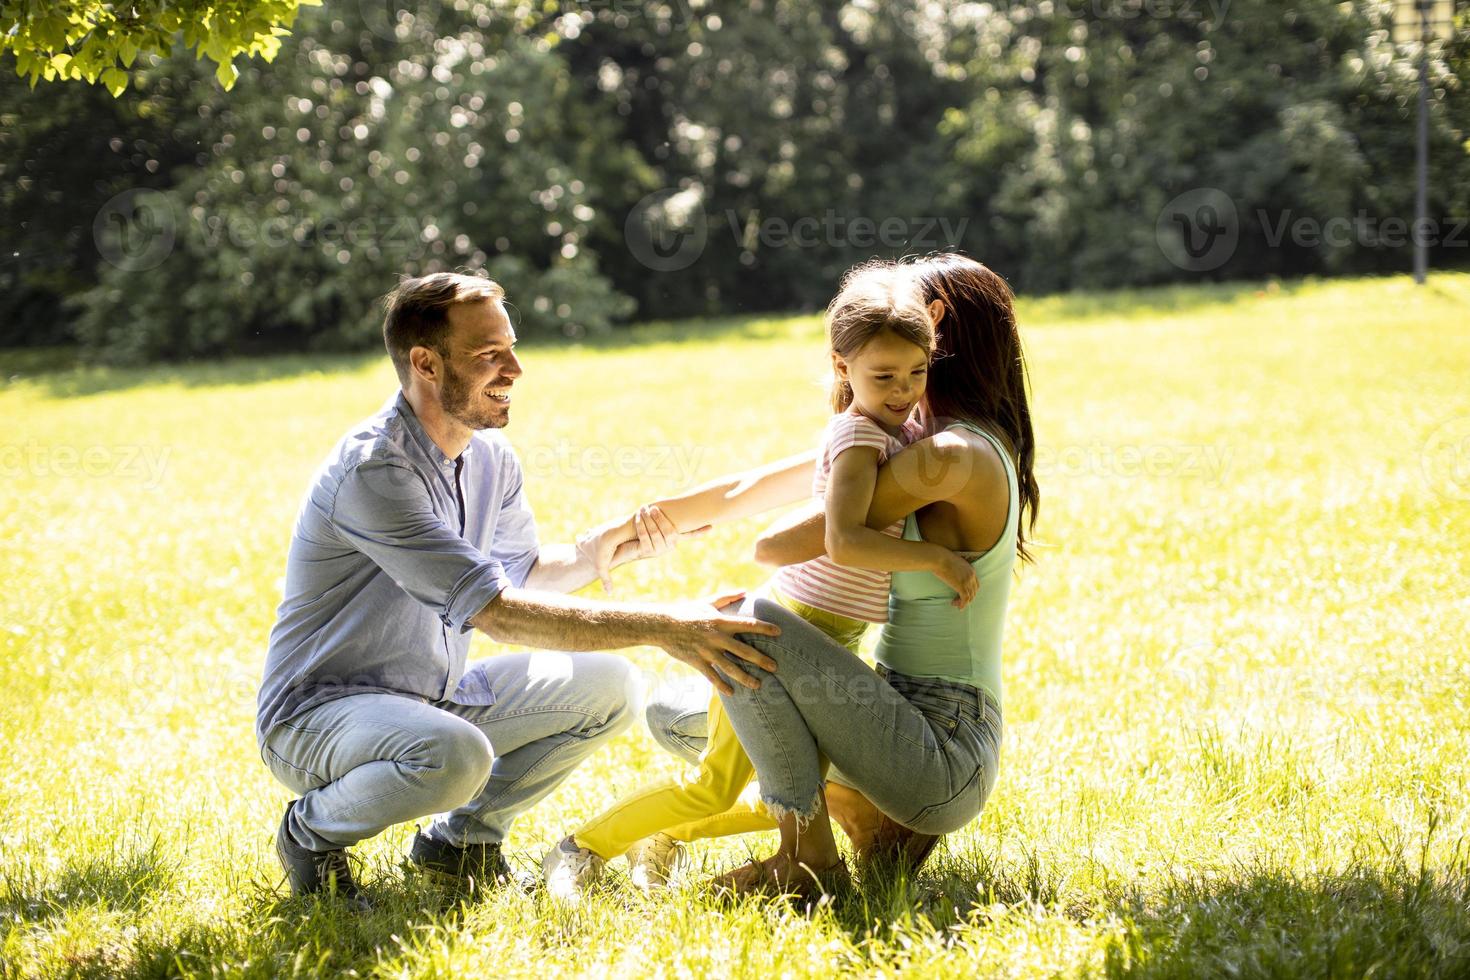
{"points": [[657, 862], [570, 870]]}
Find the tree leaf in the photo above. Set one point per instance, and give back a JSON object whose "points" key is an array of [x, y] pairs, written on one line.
{"points": [[115, 80], [227, 73]]}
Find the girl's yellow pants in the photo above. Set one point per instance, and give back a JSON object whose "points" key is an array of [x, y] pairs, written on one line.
{"points": [[718, 796]]}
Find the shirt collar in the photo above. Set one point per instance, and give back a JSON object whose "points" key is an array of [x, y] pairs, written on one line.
{"points": [[405, 411]]}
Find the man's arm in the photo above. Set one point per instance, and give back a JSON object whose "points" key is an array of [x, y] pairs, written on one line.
{"points": [[382, 508], [546, 568], [569, 567], [698, 636]]}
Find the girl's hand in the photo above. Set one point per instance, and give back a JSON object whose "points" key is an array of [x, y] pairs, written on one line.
{"points": [[727, 600], [657, 534], [959, 575], [647, 534]]}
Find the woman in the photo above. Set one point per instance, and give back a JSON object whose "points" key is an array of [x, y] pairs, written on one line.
{"points": [[920, 737]]}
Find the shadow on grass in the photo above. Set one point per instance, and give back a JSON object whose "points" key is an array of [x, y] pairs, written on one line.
{"points": [[313, 935], [1259, 923], [1248, 922], [1150, 301], [63, 373]]}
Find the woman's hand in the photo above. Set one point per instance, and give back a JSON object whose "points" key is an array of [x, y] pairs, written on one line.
{"points": [[959, 575], [723, 600]]}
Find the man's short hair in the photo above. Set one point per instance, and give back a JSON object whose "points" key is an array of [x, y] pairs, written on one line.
{"points": [[417, 312]]}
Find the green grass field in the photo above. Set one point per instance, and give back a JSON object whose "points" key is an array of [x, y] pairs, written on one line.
{"points": [[1236, 679]]}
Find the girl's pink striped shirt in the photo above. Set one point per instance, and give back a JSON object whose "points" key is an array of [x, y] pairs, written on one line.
{"points": [[857, 593]]}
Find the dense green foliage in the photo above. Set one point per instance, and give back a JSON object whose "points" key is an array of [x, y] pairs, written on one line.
{"points": [[572, 149]]}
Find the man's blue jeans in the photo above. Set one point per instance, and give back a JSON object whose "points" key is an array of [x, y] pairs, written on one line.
{"points": [[366, 762]]}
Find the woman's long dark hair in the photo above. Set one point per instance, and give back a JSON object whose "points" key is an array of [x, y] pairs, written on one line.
{"points": [[979, 370]]}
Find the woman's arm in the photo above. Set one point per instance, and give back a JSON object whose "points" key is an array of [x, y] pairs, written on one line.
{"points": [[937, 468]]}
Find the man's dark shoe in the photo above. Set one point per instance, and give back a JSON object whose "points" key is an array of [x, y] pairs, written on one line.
{"points": [[479, 866], [312, 872]]}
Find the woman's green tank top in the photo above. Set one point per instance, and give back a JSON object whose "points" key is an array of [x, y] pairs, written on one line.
{"points": [[925, 636]]}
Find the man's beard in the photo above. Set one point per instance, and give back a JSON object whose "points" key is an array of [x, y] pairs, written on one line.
{"points": [[455, 398]]}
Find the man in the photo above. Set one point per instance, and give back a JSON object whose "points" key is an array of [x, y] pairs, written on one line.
{"points": [[415, 530]]}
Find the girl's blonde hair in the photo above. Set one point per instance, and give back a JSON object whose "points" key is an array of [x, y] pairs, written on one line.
{"points": [[874, 297]]}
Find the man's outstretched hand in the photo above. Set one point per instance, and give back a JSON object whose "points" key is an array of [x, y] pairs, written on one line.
{"points": [[704, 638]]}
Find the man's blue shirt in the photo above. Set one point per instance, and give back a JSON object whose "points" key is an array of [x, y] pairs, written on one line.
{"points": [[395, 548]]}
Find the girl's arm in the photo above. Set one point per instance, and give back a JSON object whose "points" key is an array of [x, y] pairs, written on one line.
{"points": [[849, 541], [937, 468], [740, 495], [651, 529]]}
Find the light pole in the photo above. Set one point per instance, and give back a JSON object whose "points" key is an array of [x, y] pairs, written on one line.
{"points": [[1418, 21]]}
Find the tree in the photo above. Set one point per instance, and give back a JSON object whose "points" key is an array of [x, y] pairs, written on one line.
{"points": [[100, 41], [353, 159]]}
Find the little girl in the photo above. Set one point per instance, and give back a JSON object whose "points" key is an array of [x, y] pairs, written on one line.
{"points": [[881, 338]]}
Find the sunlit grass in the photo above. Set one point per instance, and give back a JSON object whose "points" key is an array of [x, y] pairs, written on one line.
{"points": [[1236, 679]]}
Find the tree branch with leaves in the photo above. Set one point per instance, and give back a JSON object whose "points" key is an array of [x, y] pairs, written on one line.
{"points": [[100, 42]]}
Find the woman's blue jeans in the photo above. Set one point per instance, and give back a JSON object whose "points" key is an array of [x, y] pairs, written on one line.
{"points": [[925, 751]]}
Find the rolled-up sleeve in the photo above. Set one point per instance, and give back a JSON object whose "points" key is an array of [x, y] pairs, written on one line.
{"points": [[382, 509]]}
